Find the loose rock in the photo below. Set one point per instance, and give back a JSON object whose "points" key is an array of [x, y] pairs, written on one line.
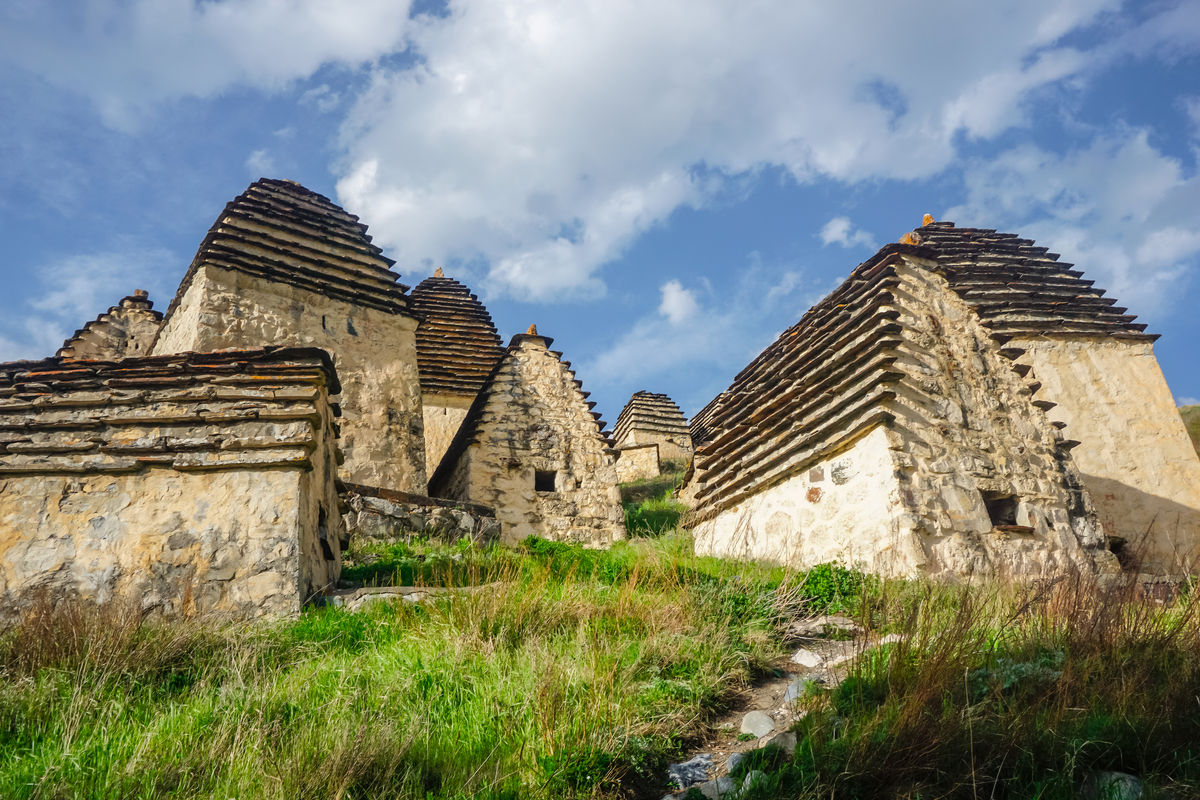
{"points": [[823, 625], [785, 741], [753, 778], [690, 772], [807, 658], [758, 724], [1112, 786]]}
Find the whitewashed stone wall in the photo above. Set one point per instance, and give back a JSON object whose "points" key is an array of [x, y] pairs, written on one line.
{"points": [[636, 462], [374, 351], [218, 497], [846, 508], [1134, 454], [536, 419]]}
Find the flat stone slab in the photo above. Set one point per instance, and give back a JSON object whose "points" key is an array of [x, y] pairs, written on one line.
{"points": [[354, 599], [807, 658], [758, 724]]}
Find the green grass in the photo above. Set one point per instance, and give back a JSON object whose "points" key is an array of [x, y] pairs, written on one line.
{"points": [[657, 487], [579, 672]]}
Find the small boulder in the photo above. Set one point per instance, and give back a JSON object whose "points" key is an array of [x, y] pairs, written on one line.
{"points": [[758, 724], [733, 761], [807, 658], [722, 787], [785, 741], [690, 772], [796, 689], [754, 778], [823, 625], [1112, 786]]}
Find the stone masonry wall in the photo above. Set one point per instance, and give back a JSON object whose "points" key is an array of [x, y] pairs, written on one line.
{"points": [[1134, 454], [969, 424], [844, 508], [374, 351], [194, 484], [386, 516], [636, 462], [533, 418]]}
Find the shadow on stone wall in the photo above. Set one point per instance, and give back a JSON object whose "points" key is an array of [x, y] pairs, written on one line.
{"points": [[1164, 537]]}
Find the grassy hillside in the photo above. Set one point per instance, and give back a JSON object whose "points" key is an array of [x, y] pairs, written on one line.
{"points": [[579, 673], [1191, 418]]}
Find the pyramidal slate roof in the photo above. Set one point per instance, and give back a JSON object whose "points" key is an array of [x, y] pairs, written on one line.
{"points": [[833, 372], [457, 342], [469, 428], [1021, 289], [280, 231], [823, 382], [648, 411], [110, 331]]}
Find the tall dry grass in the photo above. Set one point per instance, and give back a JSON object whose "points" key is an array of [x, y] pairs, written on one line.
{"points": [[1007, 691]]}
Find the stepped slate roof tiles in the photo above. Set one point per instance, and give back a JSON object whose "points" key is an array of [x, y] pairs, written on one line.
{"points": [[194, 411], [821, 383], [280, 231], [700, 426], [1018, 288], [651, 412], [457, 343], [833, 370], [126, 329]]}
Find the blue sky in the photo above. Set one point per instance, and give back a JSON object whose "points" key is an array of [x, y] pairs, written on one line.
{"points": [[661, 185]]}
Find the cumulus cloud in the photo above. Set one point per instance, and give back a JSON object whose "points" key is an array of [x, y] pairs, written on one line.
{"points": [[541, 139], [127, 55], [1118, 207], [678, 304], [840, 230]]}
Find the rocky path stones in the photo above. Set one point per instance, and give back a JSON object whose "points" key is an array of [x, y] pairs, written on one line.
{"points": [[829, 645]]}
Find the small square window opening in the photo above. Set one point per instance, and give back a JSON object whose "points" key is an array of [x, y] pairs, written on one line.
{"points": [[543, 480], [1002, 508]]}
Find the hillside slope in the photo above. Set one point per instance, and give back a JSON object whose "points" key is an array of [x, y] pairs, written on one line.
{"points": [[1191, 418]]}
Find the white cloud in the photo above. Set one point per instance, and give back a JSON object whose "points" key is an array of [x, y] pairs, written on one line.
{"points": [[524, 120], [1119, 208], [678, 304], [697, 330], [1187, 401], [127, 55], [259, 163], [840, 230], [76, 289], [323, 97]]}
